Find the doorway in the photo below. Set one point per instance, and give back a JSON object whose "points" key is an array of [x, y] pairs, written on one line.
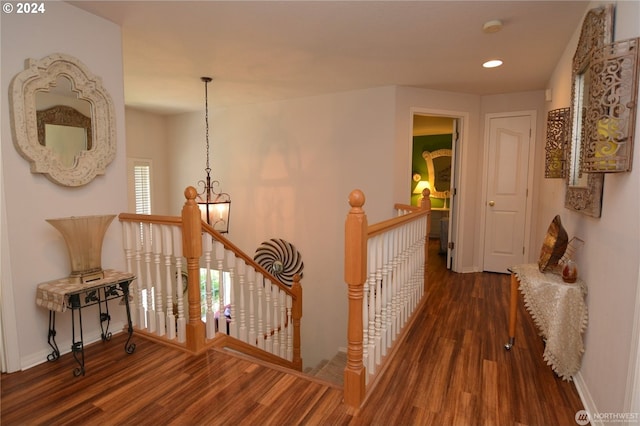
{"points": [[509, 149], [434, 144]]}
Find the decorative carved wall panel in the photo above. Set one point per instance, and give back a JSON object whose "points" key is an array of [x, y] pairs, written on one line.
{"points": [[558, 132], [610, 119]]}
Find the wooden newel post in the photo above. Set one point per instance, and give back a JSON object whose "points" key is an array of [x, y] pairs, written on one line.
{"points": [[192, 251], [355, 274], [296, 315], [425, 204]]}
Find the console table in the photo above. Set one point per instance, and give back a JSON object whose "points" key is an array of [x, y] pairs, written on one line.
{"points": [[62, 294], [559, 311]]}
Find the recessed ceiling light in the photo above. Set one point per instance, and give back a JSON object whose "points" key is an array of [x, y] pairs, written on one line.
{"points": [[492, 63]]}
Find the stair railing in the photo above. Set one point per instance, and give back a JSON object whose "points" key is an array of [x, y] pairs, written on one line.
{"points": [[249, 311], [386, 275]]}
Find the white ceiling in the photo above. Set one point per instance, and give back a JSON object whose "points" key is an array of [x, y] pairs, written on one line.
{"points": [[260, 51]]}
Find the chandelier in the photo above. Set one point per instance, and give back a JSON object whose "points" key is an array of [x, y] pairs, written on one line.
{"points": [[214, 206]]}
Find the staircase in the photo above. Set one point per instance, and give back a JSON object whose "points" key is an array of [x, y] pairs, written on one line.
{"points": [[331, 370]]}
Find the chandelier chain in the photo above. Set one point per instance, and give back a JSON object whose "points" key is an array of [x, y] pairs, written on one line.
{"points": [[206, 118]]}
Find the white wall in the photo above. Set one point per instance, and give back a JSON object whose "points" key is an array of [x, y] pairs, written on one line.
{"points": [[609, 260], [34, 251], [289, 167], [149, 131]]}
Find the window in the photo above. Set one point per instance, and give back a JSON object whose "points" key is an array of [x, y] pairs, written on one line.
{"points": [[141, 170]]}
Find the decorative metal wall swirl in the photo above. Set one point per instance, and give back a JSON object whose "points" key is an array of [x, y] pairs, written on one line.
{"points": [[281, 259]]}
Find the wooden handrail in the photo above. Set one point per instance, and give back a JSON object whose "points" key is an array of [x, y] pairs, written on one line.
{"points": [[399, 206], [386, 225], [150, 218]]}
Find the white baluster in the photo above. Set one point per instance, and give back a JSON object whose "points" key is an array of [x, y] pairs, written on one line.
{"points": [[239, 318], [405, 274], [268, 329], [261, 334], [167, 251], [378, 308], [386, 296], [409, 251], [371, 304], [289, 328], [395, 246], [207, 302], [157, 286], [418, 263], [424, 241], [403, 278], [236, 283], [222, 320], [148, 248], [231, 327], [275, 295], [142, 315], [283, 324], [176, 232], [128, 243], [251, 279]]}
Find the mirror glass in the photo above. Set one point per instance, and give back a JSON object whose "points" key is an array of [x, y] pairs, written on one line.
{"points": [[584, 190], [581, 87], [439, 170], [442, 173], [63, 120]]}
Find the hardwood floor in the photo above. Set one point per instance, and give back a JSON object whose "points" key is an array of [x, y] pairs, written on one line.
{"points": [[452, 370]]}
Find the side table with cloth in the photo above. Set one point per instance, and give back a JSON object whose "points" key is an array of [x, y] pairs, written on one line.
{"points": [[558, 310], [64, 293]]}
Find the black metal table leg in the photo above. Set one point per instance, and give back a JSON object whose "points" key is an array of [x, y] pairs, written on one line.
{"points": [[77, 346], [105, 316], [51, 338], [128, 347]]}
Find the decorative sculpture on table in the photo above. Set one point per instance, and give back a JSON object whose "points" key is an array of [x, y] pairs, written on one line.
{"points": [[281, 259], [84, 236], [554, 245]]}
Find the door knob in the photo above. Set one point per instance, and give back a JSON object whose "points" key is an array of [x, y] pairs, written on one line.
{"points": [[492, 203]]}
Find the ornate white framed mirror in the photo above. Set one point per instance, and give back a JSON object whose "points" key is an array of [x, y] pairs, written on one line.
{"points": [[63, 120], [439, 169]]}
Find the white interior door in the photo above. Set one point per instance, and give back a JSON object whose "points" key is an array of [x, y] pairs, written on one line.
{"points": [[506, 191]]}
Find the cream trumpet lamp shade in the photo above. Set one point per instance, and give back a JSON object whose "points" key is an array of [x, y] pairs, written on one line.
{"points": [[421, 186], [419, 189], [84, 236]]}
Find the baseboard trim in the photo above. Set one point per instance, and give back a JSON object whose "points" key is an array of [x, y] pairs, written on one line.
{"points": [[587, 401], [64, 346]]}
